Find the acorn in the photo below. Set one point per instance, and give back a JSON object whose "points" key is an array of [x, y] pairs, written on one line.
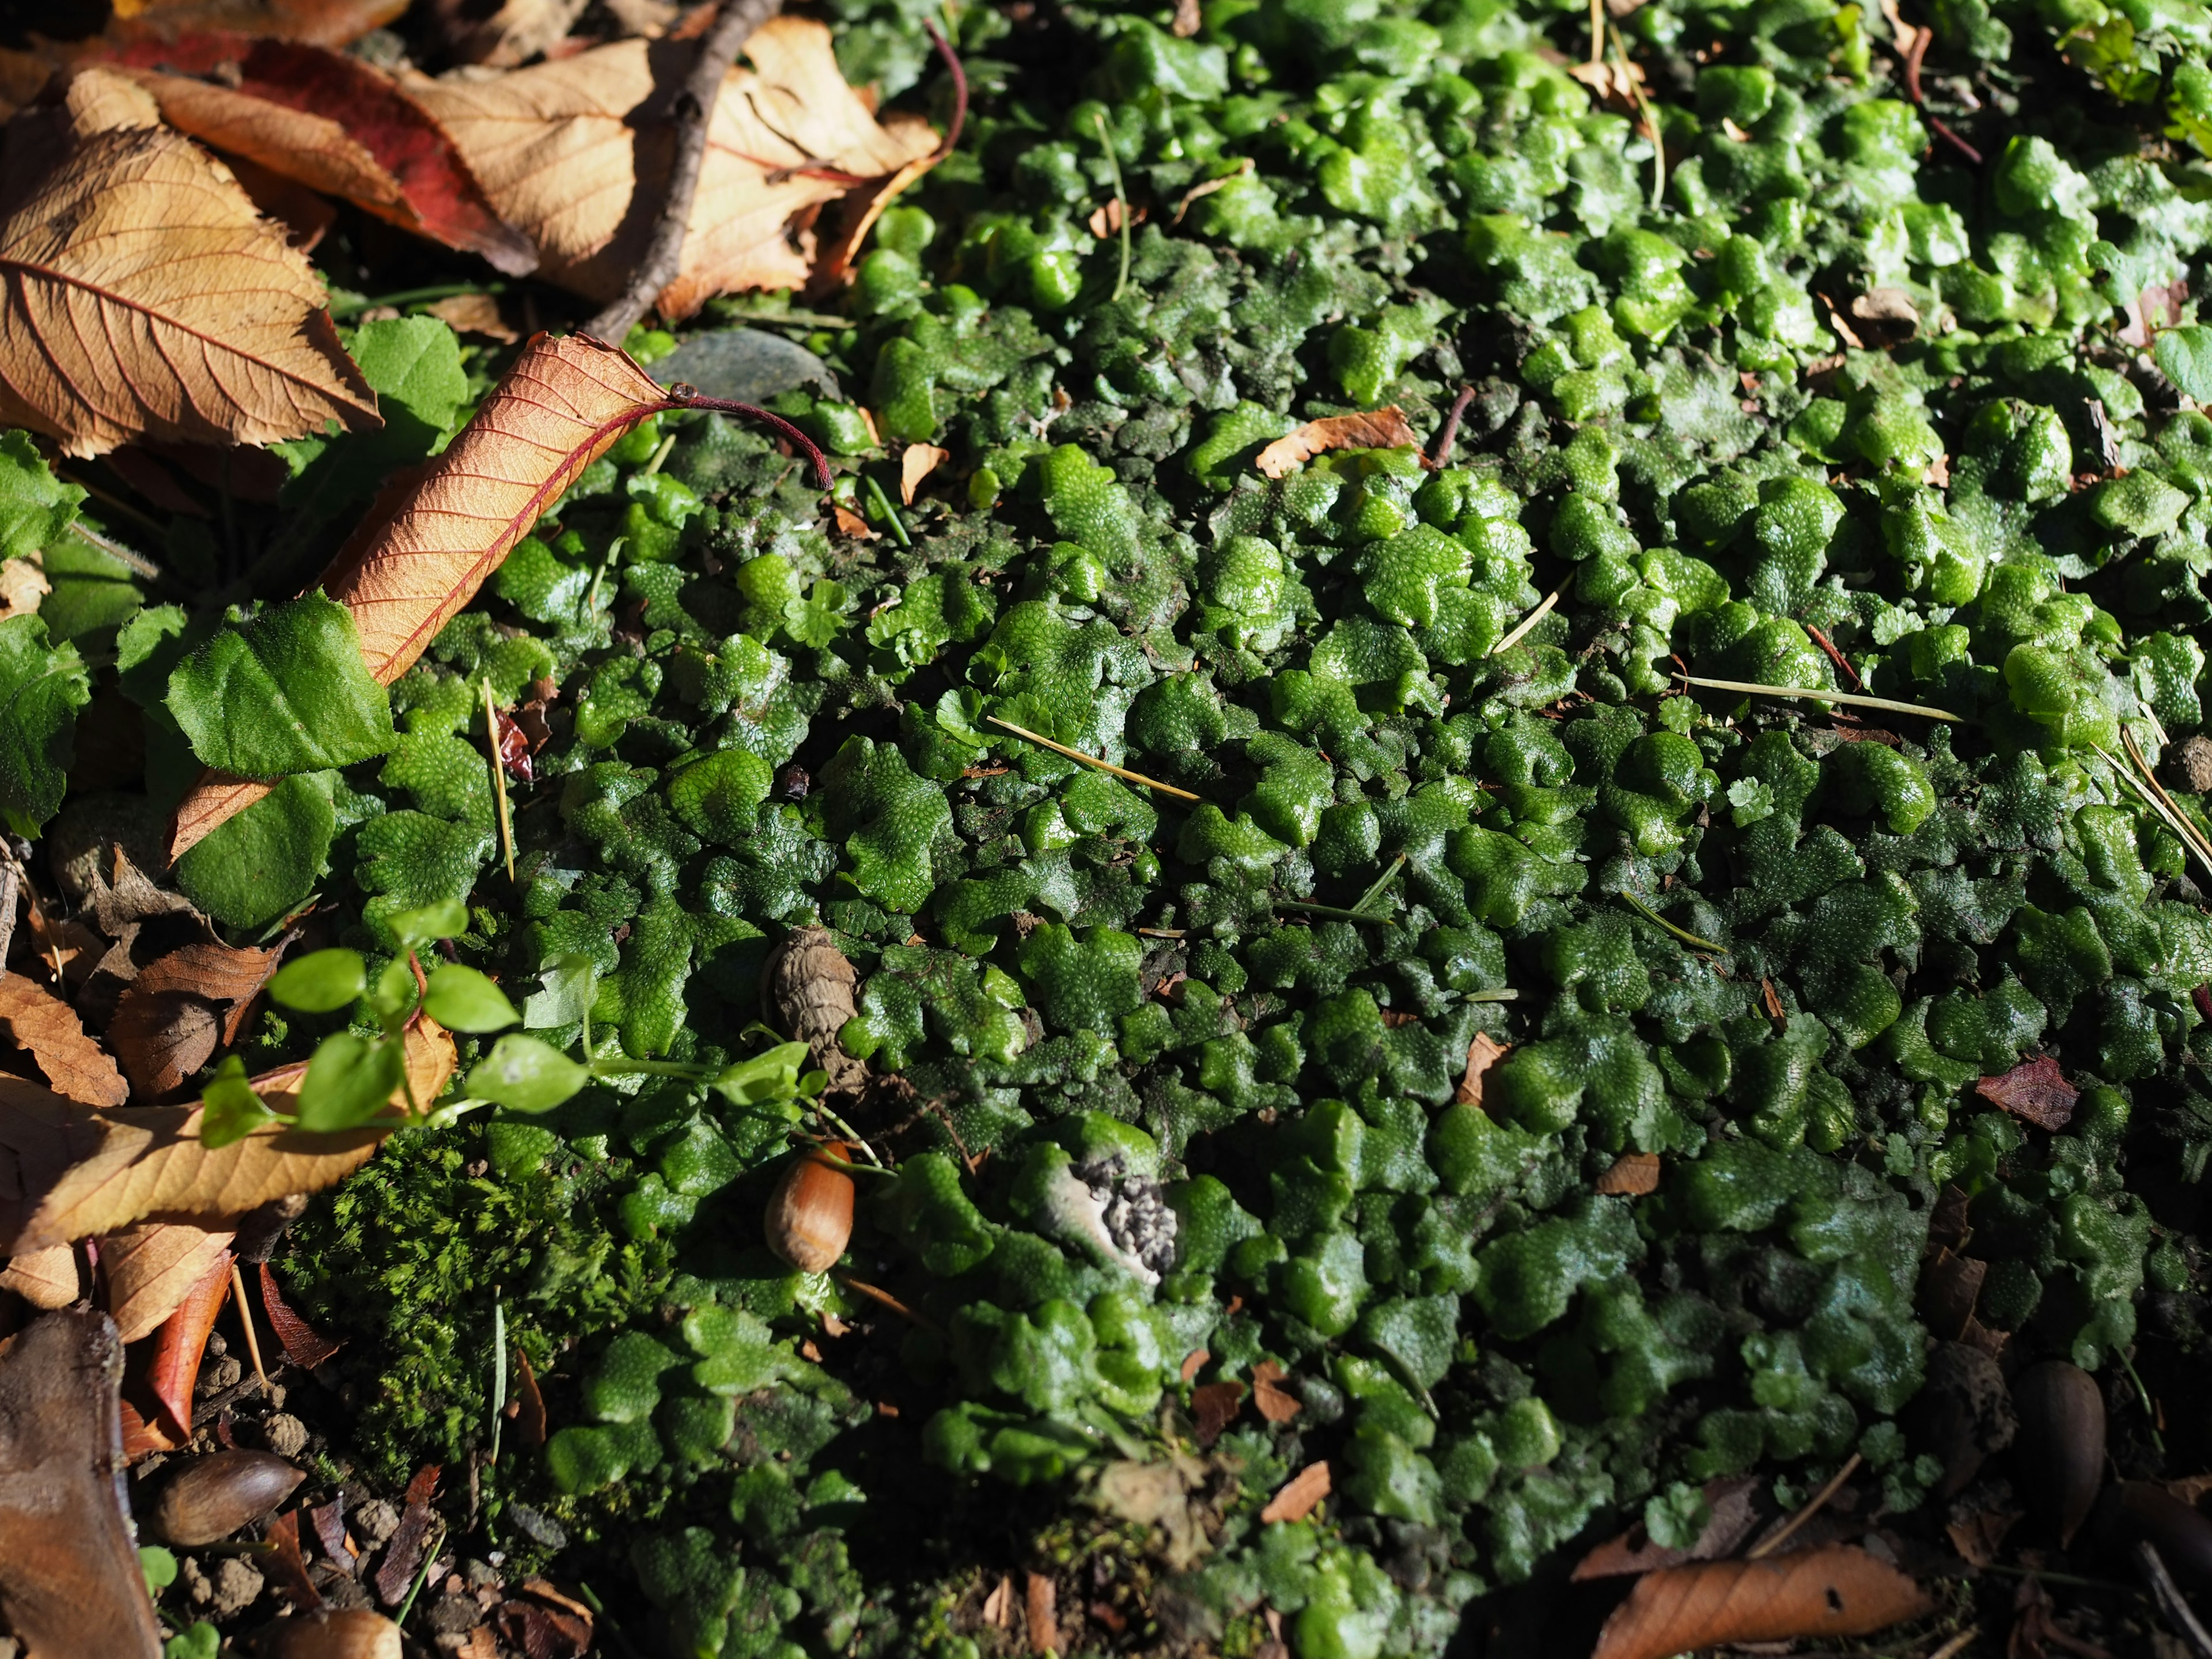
{"points": [[217, 1494], [354, 1634], [2058, 1456], [809, 1215]]}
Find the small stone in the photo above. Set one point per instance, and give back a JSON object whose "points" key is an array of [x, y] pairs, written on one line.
{"points": [[375, 1521], [538, 1528], [217, 1347], [286, 1436], [455, 1613], [238, 1586], [2193, 764], [481, 1574], [223, 1374], [198, 1590]]}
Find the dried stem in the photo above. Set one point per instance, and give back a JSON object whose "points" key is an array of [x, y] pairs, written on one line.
{"points": [[1820, 1501], [2170, 1601], [1448, 435], [1753, 688], [499, 781], [1521, 629], [1121, 202], [1093, 760], [246, 1318], [693, 114], [1658, 920]]}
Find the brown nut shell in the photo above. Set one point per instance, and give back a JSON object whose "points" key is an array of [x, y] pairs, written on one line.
{"points": [[354, 1634], [809, 1215], [215, 1495], [2058, 1456]]}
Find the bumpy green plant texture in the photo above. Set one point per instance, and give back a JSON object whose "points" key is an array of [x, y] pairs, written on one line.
{"points": [[1837, 409]]}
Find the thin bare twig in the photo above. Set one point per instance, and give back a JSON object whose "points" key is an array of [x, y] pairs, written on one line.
{"points": [[2170, 1601], [693, 114], [1093, 760], [1819, 1502], [1448, 435]]}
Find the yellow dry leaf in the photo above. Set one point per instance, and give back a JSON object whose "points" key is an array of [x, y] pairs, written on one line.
{"points": [[66, 1174], [318, 22], [46, 1278], [574, 152], [916, 465], [149, 1270], [22, 584], [39, 1022], [145, 298]]}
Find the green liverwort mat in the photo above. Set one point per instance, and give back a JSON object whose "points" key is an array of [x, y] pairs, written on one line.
{"points": [[1800, 353]]}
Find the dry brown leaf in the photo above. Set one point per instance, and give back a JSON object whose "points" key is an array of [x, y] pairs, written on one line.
{"points": [[1632, 1175], [434, 536], [1299, 1494], [473, 313], [333, 123], [69, 1582], [22, 584], [66, 1174], [1484, 1051], [850, 523], [1272, 1401], [165, 1026], [145, 297], [1384, 429], [514, 34], [916, 465], [1836, 1591], [1736, 1516], [44, 1279], [173, 1367], [999, 1605], [318, 22], [2035, 1089], [150, 1270], [49, 1029], [303, 1345], [1214, 1407], [573, 152]]}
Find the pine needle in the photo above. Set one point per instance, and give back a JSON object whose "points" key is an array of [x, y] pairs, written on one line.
{"points": [[1382, 886], [246, 1318], [1121, 202], [1658, 920], [1092, 760], [1851, 699], [1818, 1501], [1521, 629], [499, 781], [2161, 804]]}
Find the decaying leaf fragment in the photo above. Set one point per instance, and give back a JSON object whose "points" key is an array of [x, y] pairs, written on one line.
{"points": [[2035, 1089], [1839, 1590], [813, 987], [170, 1019], [1299, 1494], [574, 153], [332, 123], [69, 1582], [146, 298], [39, 1021], [150, 1270], [174, 1369], [66, 1174], [1383, 429], [1483, 1053]]}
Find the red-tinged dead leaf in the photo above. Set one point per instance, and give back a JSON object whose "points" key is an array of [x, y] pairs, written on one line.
{"points": [[1278, 1405], [404, 1552], [150, 1271], [2156, 307], [331, 23], [334, 124], [75, 1173], [531, 1418], [146, 298], [1980, 1537], [1384, 429], [1043, 1606], [175, 1365], [1299, 1494], [435, 535], [850, 523], [2035, 1089], [918, 461], [168, 1022], [1214, 1407], [288, 1566], [545, 1632], [307, 1347], [328, 1520], [40, 1023], [565, 150], [1632, 1175], [1771, 999], [1484, 1051], [46, 1278], [1192, 1361], [1736, 1516], [69, 1582], [1836, 1591]]}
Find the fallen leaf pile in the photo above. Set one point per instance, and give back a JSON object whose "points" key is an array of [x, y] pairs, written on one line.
{"points": [[167, 178]]}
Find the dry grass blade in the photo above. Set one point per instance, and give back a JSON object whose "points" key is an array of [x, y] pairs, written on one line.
{"points": [[1383, 429], [1093, 760], [1823, 1593], [1850, 699], [1521, 629], [146, 298], [577, 152], [48, 1029], [1818, 1501], [74, 1174]]}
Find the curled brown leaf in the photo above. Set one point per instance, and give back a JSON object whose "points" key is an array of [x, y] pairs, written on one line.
{"points": [[1272, 1401], [45, 1027], [916, 465], [1483, 1053], [1382, 428], [167, 1024], [146, 298], [1632, 1175], [2035, 1089], [1839, 1590], [1298, 1495]]}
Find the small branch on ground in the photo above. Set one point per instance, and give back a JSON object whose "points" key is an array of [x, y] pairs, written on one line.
{"points": [[695, 111]]}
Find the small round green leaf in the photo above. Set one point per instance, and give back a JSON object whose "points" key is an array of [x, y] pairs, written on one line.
{"points": [[321, 982], [349, 1081], [442, 920], [2184, 357], [526, 1075], [462, 1000], [229, 1109]]}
